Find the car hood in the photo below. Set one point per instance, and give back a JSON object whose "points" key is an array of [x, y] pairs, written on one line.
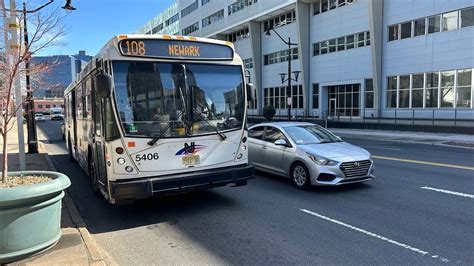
{"points": [[334, 150]]}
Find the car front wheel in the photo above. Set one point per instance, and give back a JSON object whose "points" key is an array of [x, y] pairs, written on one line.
{"points": [[300, 176]]}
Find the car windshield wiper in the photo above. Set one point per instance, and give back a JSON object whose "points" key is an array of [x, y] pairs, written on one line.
{"points": [[201, 114]]}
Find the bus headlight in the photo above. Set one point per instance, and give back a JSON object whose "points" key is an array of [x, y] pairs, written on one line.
{"points": [[129, 169], [121, 161], [239, 156], [244, 147]]}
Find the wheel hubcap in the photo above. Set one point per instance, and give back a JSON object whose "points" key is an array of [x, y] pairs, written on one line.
{"points": [[299, 175]]}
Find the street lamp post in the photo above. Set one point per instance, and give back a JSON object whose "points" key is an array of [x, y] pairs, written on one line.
{"points": [[289, 79], [30, 112]]}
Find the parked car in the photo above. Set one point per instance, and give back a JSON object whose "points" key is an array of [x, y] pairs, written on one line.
{"points": [[39, 117], [57, 115], [307, 154]]}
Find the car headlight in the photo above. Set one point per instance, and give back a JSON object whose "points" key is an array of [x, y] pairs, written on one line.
{"points": [[321, 160]]}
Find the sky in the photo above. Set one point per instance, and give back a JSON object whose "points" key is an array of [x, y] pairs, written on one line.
{"points": [[96, 21]]}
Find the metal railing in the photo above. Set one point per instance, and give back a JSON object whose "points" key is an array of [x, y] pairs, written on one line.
{"points": [[414, 117]]}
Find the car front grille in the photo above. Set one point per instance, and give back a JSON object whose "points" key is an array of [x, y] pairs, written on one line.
{"points": [[355, 169]]}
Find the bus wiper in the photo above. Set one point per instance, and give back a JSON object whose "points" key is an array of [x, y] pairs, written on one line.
{"points": [[221, 135], [159, 135]]}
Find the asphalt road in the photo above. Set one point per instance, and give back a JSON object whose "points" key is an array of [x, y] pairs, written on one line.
{"points": [[415, 212]]}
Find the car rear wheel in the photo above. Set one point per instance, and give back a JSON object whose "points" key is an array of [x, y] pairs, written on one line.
{"points": [[300, 176]]}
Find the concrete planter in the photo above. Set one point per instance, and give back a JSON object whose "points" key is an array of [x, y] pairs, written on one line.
{"points": [[30, 216]]}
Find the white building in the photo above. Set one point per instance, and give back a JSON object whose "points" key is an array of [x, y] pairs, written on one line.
{"points": [[372, 58]]}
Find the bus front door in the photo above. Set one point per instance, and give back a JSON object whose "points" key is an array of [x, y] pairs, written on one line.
{"points": [[99, 143]]}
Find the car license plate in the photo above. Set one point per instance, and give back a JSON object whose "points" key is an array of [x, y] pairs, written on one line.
{"points": [[190, 160]]}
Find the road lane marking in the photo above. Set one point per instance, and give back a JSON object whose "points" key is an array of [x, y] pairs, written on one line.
{"points": [[424, 162], [382, 148], [449, 192], [386, 239]]}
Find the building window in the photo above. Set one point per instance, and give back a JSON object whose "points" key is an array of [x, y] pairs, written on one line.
{"points": [[367, 38], [393, 33], [417, 90], [40, 106], [203, 2], [157, 29], [450, 21], [324, 47], [404, 91], [392, 92], [332, 45], [317, 7], [280, 56], [434, 24], [239, 5], [463, 88], [172, 19], [431, 94], [321, 6], [238, 35], [190, 29], [420, 27], [315, 48], [347, 99], [467, 17], [187, 10], [447, 88], [213, 18], [315, 95], [361, 39], [279, 21], [341, 44], [248, 63], [48, 106], [324, 5], [369, 93], [349, 41], [405, 30], [297, 96]]}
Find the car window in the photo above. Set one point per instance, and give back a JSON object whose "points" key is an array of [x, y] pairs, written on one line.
{"points": [[256, 132], [310, 134], [273, 134]]}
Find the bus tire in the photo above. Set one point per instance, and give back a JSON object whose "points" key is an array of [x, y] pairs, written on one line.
{"points": [[94, 179]]}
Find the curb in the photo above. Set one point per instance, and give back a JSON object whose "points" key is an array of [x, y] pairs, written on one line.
{"points": [[95, 255]]}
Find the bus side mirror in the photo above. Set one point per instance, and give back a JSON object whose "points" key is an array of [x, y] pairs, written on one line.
{"points": [[103, 84], [250, 92]]}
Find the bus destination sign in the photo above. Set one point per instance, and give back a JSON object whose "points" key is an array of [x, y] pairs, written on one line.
{"points": [[179, 49]]}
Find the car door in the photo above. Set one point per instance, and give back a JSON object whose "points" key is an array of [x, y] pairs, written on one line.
{"points": [[255, 145], [274, 157]]}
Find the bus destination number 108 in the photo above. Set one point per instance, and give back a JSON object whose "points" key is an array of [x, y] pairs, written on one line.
{"points": [[135, 48]]}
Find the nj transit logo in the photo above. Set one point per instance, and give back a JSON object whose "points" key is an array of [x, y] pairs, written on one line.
{"points": [[190, 149]]}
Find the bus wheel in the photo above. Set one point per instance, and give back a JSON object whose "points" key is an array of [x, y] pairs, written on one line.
{"points": [[94, 179]]}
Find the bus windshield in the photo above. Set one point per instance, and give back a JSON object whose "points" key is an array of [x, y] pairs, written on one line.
{"points": [[178, 99]]}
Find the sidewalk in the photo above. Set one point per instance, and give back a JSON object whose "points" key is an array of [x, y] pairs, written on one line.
{"points": [[76, 246], [442, 139]]}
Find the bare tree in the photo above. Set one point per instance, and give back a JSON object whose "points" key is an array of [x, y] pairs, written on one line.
{"points": [[44, 30]]}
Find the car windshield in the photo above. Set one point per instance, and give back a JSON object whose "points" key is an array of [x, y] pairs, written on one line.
{"points": [[176, 99], [309, 134], [38, 115]]}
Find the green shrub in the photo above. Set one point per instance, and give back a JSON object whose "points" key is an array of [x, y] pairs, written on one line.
{"points": [[269, 112]]}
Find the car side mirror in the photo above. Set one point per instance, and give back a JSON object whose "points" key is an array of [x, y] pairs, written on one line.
{"points": [[280, 142], [103, 84], [250, 91]]}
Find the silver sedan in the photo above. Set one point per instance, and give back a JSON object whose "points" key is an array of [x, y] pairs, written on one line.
{"points": [[307, 154]]}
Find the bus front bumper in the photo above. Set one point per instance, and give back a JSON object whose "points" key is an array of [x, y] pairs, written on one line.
{"points": [[153, 186]]}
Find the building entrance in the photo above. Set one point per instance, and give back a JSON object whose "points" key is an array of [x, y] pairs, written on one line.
{"points": [[344, 100]]}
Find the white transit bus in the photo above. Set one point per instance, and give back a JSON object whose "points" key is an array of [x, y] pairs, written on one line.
{"points": [[160, 114]]}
